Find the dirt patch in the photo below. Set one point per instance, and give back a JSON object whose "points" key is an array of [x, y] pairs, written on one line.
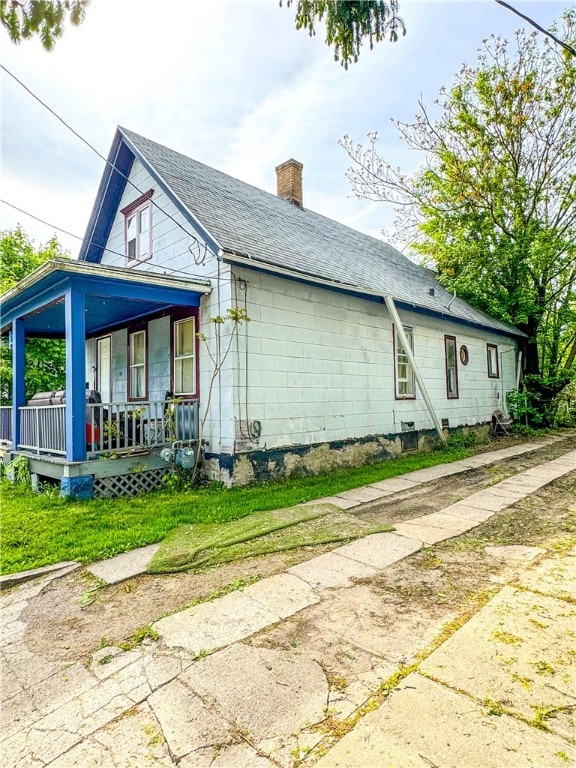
{"points": [[435, 496], [75, 614], [452, 572]]}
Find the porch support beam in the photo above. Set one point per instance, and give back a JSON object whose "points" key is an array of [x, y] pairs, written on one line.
{"points": [[18, 381], [75, 305], [137, 291], [408, 349]]}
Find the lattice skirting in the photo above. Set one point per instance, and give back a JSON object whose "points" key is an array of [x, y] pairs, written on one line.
{"points": [[130, 484]]}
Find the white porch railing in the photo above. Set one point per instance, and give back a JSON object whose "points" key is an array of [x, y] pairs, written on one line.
{"points": [[5, 423], [110, 427], [43, 428]]}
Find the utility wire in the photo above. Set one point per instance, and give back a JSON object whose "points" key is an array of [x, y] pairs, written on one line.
{"points": [[104, 248], [538, 27], [105, 159]]}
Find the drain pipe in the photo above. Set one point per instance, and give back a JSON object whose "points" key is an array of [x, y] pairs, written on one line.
{"points": [[408, 349]]}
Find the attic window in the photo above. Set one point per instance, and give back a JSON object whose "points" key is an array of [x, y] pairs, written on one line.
{"points": [[138, 229]]}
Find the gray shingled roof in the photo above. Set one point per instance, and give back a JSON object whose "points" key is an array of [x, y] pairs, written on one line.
{"points": [[268, 229]]}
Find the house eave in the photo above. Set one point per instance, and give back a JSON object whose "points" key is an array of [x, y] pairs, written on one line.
{"points": [[50, 279], [368, 293]]}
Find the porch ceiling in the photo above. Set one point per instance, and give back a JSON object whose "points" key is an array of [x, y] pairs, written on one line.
{"points": [[113, 296]]}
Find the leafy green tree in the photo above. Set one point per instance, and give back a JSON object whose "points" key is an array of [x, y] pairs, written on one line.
{"points": [[45, 358], [349, 24], [493, 205], [46, 18]]}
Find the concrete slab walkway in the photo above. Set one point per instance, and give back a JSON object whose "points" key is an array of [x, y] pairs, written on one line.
{"points": [[127, 565], [206, 695]]}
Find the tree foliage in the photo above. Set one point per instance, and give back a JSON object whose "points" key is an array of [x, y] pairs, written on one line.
{"points": [[493, 206], [45, 358], [46, 18], [349, 24]]}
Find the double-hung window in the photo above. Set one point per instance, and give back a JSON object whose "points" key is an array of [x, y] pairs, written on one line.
{"points": [[184, 356], [138, 229], [451, 367], [137, 365], [493, 366], [405, 388]]}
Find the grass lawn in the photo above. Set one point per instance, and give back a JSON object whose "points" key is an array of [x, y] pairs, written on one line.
{"points": [[38, 529]]}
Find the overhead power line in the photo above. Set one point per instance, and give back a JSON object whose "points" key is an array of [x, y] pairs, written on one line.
{"points": [[85, 141], [546, 32], [211, 276]]}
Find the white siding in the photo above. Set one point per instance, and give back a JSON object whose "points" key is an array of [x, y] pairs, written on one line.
{"points": [[321, 367], [173, 252]]}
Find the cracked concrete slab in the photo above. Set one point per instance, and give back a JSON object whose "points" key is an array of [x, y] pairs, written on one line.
{"points": [[555, 577], [188, 724], [125, 566], [283, 594], [338, 501], [133, 741], [379, 550], [331, 570], [395, 484], [214, 624], [363, 494], [424, 724], [234, 679], [516, 652], [514, 553], [463, 511], [226, 756], [428, 534]]}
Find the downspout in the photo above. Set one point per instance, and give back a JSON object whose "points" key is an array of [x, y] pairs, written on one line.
{"points": [[518, 369], [408, 349]]}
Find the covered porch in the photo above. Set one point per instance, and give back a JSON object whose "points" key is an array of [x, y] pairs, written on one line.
{"points": [[63, 433]]}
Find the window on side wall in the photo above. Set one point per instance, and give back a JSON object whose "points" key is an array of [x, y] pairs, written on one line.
{"points": [[493, 367], [184, 356], [404, 374], [138, 229], [137, 365], [451, 367]]}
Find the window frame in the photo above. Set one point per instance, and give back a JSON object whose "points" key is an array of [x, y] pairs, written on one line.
{"points": [[395, 342], [492, 374], [135, 209], [452, 339], [176, 317], [133, 331]]}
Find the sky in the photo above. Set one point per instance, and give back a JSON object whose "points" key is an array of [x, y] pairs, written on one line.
{"points": [[232, 84]]}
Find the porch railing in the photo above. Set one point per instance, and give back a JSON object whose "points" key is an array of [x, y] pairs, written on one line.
{"points": [[5, 423], [114, 427], [110, 427], [43, 428]]}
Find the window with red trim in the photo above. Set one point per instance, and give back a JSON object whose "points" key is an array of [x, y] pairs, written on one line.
{"points": [[138, 229], [493, 366], [451, 367]]}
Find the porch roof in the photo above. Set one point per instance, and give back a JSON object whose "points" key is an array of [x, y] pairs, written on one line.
{"points": [[113, 296]]}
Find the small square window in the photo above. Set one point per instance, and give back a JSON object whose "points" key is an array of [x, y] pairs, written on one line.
{"points": [[493, 366]]}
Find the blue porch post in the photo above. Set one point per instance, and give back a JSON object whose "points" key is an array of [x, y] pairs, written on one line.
{"points": [[18, 370], [75, 375]]}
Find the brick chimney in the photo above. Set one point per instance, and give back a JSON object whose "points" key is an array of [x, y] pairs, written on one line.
{"points": [[289, 181]]}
